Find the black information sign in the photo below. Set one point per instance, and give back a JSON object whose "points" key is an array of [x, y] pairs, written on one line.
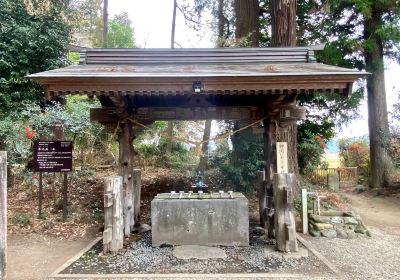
{"points": [[52, 156]]}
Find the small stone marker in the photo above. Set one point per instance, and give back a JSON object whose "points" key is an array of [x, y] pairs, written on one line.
{"points": [[186, 252], [333, 182], [282, 157]]}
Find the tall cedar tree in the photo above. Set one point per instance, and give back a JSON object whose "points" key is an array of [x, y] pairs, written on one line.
{"points": [[359, 33], [283, 26]]}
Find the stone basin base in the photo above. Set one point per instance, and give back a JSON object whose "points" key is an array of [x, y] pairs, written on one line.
{"points": [[208, 221]]}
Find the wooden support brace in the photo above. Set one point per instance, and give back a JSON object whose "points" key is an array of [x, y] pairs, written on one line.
{"points": [[285, 228], [262, 197], [137, 183], [113, 215]]}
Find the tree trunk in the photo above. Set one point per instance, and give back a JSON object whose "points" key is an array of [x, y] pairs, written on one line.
{"points": [[173, 26], [283, 23], [126, 154], [204, 149], [105, 22], [170, 128], [283, 26], [247, 21], [377, 109], [3, 214]]}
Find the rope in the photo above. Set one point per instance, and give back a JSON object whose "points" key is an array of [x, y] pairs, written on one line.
{"points": [[199, 143]]}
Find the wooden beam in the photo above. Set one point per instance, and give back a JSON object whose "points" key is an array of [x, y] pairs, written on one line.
{"points": [[148, 115], [3, 215]]}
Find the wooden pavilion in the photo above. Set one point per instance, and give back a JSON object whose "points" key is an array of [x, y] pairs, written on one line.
{"points": [[139, 86]]}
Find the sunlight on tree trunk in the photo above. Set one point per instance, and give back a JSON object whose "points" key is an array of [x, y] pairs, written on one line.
{"points": [[381, 164]]}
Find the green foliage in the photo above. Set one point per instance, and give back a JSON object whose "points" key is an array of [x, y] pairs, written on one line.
{"points": [[395, 133], [240, 166], [120, 34], [29, 43], [74, 116], [355, 153], [21, 219], [155, 153], [310, 151]]}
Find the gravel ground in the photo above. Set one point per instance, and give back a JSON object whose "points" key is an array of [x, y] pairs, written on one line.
{"points": [[141, 257], [376, 257]]}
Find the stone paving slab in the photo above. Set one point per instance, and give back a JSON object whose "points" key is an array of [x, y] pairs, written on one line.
{"points": [[187, 252]]}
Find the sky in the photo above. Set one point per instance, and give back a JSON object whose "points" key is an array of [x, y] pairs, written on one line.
{"points": [[152, 27]]}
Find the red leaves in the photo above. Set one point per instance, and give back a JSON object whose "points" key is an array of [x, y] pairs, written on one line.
{"points": [[320, 141], [30, 134]]}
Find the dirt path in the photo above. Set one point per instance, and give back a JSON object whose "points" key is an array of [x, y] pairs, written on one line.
{"points": [[376, 211], [36, 256], [375, 257]]}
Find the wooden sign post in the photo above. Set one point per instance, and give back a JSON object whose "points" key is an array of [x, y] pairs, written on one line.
{"points": [[53, 156], [3, 214], [284, 221]]}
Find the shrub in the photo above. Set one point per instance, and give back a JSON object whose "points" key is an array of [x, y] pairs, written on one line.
{"points": [[355, 153], [240, 166], [310, 152], [22, 219]]}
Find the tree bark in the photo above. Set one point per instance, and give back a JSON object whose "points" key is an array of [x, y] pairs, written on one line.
{"points": [[126, 154], [204, 149], [170, 128], [105, 22], [3, 215], [283, 23], [381, 163], [247, 24], [283, 26]]}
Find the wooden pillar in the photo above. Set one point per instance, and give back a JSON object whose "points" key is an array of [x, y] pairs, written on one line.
{"points": [[113, 234], [285, 228], [3, 215], [137, 183], [126, 155], [270, 169], [262, 202]]}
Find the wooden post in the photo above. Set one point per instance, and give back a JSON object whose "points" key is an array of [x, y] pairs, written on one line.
{"points": [[126, 163], [262, 199], [65, 196], [113, 234], [40, 195], [270, 169], [3, 215], [137, 182], [285, 228], [304, 210]]}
